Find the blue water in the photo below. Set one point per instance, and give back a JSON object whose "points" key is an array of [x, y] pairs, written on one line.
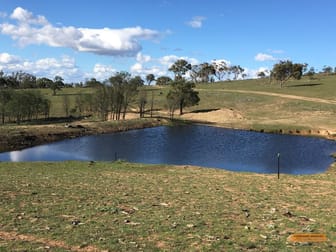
{"points": [[234, 150]]}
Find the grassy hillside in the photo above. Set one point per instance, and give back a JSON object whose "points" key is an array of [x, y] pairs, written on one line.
{"points": [[212, 97], [118, 206], [95, 206]]}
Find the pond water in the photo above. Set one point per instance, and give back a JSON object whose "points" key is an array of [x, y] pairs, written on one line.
{"points": [[207, 146]]}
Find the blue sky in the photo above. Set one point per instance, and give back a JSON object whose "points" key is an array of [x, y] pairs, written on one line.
{"points": [[83, 39]]}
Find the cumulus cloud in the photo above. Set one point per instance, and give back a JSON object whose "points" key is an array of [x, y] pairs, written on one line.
{"points": [[158, 66], [45, 67], [253, 73], [196, 22], [145, 65], [143, 58], [29, 29], [168, 60], [102, 72], [6, 58], [264, 57], [26, 17]]}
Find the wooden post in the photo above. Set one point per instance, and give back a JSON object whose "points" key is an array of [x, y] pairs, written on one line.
{"points": [[278, 165]]}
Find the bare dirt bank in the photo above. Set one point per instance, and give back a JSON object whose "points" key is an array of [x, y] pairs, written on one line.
{"points": [[231, 118], [20, 137]]}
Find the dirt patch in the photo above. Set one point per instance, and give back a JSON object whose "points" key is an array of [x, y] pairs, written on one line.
{"points": [[223, 115], [21, 137], [12, 236]]}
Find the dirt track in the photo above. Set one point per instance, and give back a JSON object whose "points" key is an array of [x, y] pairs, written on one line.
{"points": [[296, 97], [319, 122]]}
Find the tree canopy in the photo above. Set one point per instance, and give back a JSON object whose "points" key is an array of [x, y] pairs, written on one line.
{"points": [[285, 70], [180, 68], [182, 95]]}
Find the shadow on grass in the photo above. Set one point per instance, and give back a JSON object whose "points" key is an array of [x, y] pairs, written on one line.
{"points": [[204, 110], [53, 120], [306, 85]]}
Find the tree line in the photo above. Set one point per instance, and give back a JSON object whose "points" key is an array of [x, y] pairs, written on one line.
{"points": [[22, 80], [17, 106], [112, 98]]}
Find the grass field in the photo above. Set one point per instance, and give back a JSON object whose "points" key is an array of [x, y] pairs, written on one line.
{"points": [[81, 206], [119, 206], [261, 105]]}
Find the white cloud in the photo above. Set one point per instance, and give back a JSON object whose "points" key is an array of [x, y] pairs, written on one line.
{"points": [[168, 60], [264, 57], [157, 66], [46, 67], [143, 58], [6, 58], [102, 72], [196, 22], [27, 17], [253, 73], [30, 29]]}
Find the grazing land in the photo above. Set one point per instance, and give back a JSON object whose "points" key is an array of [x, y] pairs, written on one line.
{"points": [[305, 107], [118, 206]]}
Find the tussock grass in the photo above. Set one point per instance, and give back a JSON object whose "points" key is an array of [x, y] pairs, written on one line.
{"points": [[130, 207]]}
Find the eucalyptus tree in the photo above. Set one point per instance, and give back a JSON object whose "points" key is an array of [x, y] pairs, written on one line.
{"points": [[182, 94], [150, 78], [327, 70], [44, 82], [93, 83], [207, 70], [180, 68], [117, 83], [57, 84], [285, 70], [142, 101], [5, 97], [27, 105], [195, 72], [131, 91], [220, 69], [101, 102], [163, 80], [124, 89], [237, 70], [311, 73]]}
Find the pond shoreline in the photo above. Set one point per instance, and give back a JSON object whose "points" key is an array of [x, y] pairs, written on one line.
{"points": [[13, 138]]}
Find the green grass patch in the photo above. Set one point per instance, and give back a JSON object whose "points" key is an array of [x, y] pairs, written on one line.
{"points": [[120, 206]]}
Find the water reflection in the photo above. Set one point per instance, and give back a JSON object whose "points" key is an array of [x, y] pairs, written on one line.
{"points": [[195, 145]]}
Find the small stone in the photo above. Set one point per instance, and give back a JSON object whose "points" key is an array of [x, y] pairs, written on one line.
{"points": [[288, 214], [263, 236]]}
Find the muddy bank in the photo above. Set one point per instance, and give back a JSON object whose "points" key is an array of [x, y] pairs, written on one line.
{"points": [[21, 137]]}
